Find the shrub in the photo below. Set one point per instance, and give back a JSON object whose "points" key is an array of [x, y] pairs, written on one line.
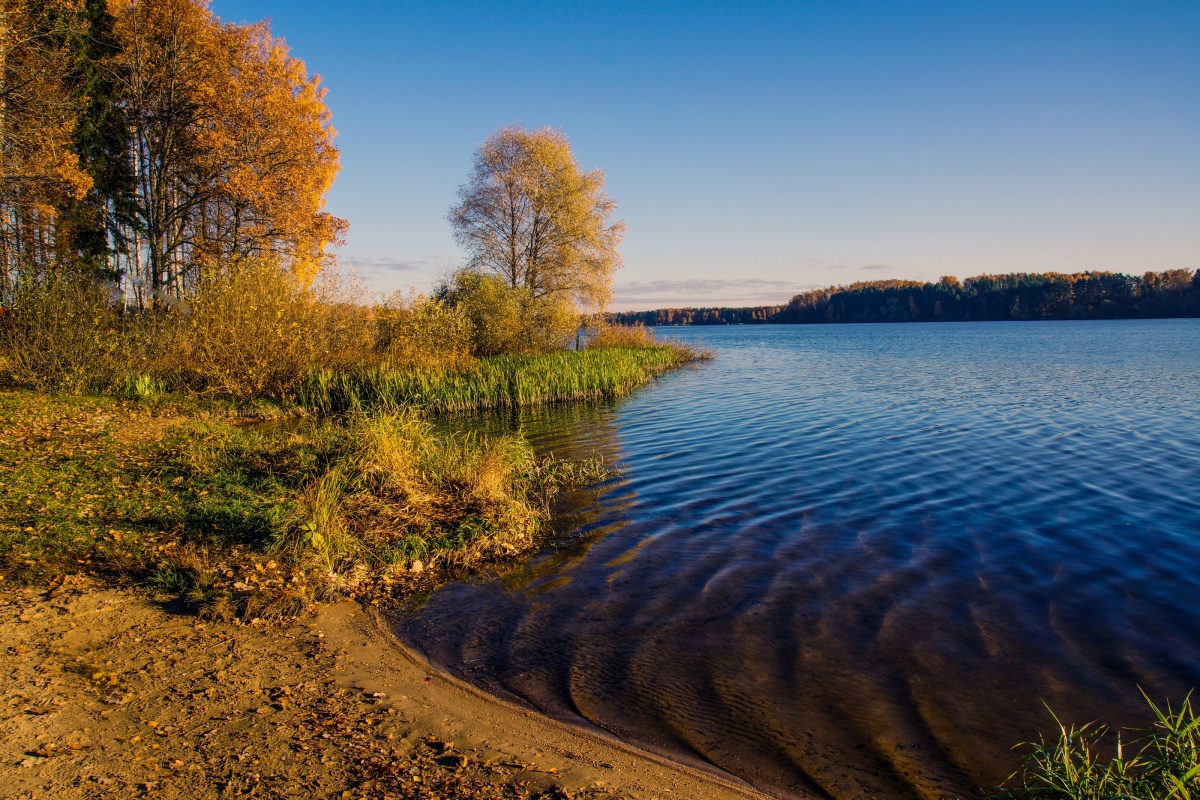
{"points": [[256, 330], [507, 319], [423, 332], [63, 334], [606, 335]]}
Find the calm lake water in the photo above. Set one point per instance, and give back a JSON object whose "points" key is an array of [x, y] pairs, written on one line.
{"points": [[855, 560]]}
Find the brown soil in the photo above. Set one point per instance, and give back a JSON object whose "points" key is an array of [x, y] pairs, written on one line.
{"points": [[107, 693]]}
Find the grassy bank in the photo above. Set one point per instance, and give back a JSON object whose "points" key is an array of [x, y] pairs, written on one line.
{"points": [[238, 521], [511, 381]]}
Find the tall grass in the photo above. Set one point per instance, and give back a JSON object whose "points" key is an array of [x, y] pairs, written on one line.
{"points": [[383, 489], [397, 494], [606, 335], [1158, 763], [512, 381]]}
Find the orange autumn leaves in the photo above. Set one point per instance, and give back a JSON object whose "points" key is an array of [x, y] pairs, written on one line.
{"points": [[228, 142], [245, 131]]}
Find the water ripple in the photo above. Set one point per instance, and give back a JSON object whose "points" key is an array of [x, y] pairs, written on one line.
{"points": [[855, 560]]}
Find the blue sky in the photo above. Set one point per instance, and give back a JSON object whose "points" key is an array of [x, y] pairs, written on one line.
{"points": [[758, 149]]}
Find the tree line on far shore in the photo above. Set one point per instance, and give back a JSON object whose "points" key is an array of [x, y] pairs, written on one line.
{"points": [[1011, 296]]}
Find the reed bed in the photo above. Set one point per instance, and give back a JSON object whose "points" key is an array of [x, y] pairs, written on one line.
{"points": [[509, 381]]}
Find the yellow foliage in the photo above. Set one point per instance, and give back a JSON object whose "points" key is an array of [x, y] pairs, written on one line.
{"points": [[605, 335], [38, 169], [511, 320], [531, 216], [423, 332], [257, 330]]}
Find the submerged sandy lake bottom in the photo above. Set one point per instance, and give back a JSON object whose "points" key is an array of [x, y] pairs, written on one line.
{"points": [[855, 560]]}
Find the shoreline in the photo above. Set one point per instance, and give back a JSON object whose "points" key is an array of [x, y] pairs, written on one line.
{"points": [[112, 694]]}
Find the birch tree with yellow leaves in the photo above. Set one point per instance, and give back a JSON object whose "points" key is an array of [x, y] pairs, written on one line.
{"points": [[233, 146], [531, 216]]}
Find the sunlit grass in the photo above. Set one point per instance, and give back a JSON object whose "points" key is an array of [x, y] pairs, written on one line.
{"points": [[512, 381], [1158, 763], [247, 521]]}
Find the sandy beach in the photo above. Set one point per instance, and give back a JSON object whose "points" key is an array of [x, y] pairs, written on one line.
{"points": [[108, 693]]}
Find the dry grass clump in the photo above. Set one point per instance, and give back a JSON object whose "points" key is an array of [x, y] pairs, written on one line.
{"points": [[606, 335], [401, 495], [239, 522], [344, 504], [1159, 763]]}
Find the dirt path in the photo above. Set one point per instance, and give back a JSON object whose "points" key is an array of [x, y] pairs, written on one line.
{"points": [[105, 693]]}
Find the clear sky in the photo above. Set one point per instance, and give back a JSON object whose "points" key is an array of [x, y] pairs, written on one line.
{"points": [[756, 149]]}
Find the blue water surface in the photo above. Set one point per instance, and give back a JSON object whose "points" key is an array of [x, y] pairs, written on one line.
{"points": [[855, 560]]}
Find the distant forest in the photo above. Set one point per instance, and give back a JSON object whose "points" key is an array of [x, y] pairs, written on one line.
{"points": [[1014, 296]]}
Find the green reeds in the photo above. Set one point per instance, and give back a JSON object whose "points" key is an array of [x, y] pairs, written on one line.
{"points": [[1159, 763], [512, 381]]}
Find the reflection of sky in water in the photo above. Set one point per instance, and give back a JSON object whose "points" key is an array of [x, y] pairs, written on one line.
{"points": [[856, 559]]}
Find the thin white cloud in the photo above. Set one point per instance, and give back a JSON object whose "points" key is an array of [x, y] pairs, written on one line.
{"points": [[385, 264]]}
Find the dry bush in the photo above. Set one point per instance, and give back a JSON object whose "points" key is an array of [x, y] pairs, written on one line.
{"points": [[258, 331], [63, 334], [605, 335], [423, 332], [508, 319]]}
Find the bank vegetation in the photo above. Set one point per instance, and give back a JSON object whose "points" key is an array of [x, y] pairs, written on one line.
{"points": [[166, 278]]}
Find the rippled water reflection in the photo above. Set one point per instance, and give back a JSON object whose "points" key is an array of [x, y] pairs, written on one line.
{"points": [[855, 560]]}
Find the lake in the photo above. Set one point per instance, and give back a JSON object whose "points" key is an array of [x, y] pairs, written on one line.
{"points": [[855, 560]]}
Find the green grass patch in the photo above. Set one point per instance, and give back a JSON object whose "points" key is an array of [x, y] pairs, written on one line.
{"points": [[243, 520], [512, 381], [171, 492], [1161, 762]]}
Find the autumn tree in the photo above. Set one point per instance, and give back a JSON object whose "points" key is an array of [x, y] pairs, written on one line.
{"points": [[232, 146], [273, 144], [531, 216], [39, 171], [145, 142]]}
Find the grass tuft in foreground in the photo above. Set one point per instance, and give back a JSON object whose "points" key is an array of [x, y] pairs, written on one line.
{"points": [[1159, 763], [512, 381]]}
